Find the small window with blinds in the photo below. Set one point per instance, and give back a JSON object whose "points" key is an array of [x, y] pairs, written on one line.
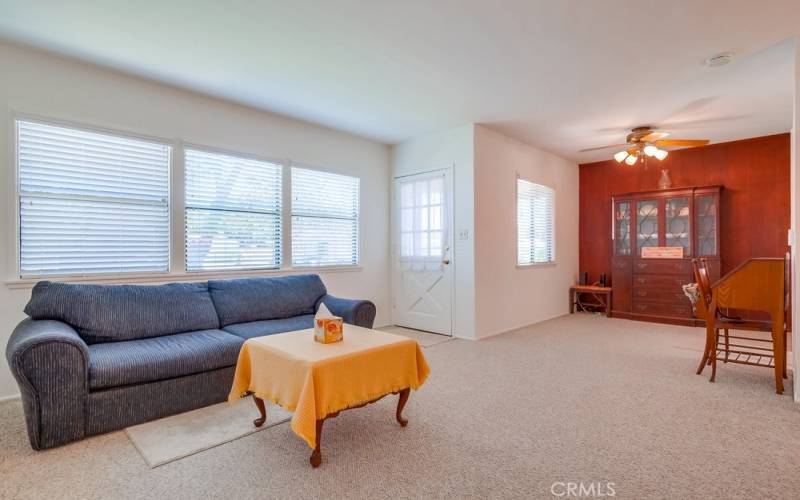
{"points": [[90, 202], [324, 218], [535, 223], [233, 212]]}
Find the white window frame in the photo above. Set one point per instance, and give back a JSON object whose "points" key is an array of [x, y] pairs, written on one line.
{"points": [[235, 154], [554, 231], [177, 271], [289, 213], [14, 199]]}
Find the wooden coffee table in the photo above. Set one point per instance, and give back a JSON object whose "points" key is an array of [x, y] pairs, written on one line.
{"points": [[316, 455], [319, 381]]}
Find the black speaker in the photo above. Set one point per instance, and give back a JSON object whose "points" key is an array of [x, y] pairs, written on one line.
{"points": [[583, 278], [602, 279]]}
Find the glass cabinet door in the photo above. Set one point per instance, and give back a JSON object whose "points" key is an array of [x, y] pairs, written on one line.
{"points": [[677, 224], [706, 207], [646, 224], [622, 228]]}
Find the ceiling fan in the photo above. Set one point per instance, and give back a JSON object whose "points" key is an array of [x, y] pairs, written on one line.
{"points": [[644, 142]]}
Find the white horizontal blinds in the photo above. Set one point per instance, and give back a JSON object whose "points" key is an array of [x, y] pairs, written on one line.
{"points": [[324, 218], [535, 223], [91, 202], [233, 212]]}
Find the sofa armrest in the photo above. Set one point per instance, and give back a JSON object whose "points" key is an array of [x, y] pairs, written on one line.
{"points": [[353, 311], [50, 362]]}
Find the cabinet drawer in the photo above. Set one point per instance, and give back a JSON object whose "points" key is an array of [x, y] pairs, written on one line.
{"points": [[672, 295], [671, 282], [621, 265], [662, 309], [663, 266]]}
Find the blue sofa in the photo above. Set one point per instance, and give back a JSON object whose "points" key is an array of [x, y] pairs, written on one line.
{"points": [[97, 358]]}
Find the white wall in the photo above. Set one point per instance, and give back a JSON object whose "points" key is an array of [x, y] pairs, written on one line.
{"points": [[41, 84], [451, 148], [508, 296]]}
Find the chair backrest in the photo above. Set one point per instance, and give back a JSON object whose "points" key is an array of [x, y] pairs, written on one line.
{"points": [[703, 281]]}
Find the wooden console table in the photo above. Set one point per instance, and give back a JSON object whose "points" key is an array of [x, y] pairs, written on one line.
{"points": [[600, 293]]}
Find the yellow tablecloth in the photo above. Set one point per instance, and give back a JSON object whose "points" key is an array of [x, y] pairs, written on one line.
{"points": [[314, 380]]}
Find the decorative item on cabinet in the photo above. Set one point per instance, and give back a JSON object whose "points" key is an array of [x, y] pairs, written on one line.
{"points": [[664, 182], [650, 289]]}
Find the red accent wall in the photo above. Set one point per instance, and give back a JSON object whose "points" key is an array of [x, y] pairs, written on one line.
{"points": [[754, 206]]}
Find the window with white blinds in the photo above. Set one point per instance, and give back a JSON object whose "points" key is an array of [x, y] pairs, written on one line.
{"points": [[233, 212], [535, 223], [90, 202], [325, 210]]}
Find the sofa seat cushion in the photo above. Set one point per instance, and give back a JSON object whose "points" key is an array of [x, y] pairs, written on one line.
{"points": [[110, 313], [116, 364], [271, 326], [256, 299]]}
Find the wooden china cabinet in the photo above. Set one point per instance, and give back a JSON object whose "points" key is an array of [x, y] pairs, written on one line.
{"points": [[649, 289]]}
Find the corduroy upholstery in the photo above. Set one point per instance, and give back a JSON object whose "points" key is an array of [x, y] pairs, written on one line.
{"points": [[119, 407], [97, 358], [353, 311], [50, 363], [107, 313], [258, 299], [159, 358], [270, 326]]}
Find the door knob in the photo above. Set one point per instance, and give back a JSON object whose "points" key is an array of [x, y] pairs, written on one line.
{"points": [[446, 261]]}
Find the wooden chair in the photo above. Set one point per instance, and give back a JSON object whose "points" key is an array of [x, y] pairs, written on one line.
{"points": [[718, 318]]}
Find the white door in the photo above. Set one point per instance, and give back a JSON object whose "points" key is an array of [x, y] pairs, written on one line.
{"points": [[422, 277]]}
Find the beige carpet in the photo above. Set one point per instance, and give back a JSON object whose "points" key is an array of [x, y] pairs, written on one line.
{"points": [[172, 438], [579, 398]]}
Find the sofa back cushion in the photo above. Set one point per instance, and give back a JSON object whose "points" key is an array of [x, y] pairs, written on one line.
{"points": [[107, 313], [256, 299]]}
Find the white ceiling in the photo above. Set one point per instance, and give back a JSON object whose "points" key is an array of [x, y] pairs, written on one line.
{"points": [[562, 75]]}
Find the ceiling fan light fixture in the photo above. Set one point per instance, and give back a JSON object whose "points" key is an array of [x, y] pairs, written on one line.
{"points": [[631, 160], [621, 156], [661, 154], [650, 150]]}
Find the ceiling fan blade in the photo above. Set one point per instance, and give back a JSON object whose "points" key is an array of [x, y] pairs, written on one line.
{"points": [[604, 147], [653, 136], [690, 143]]}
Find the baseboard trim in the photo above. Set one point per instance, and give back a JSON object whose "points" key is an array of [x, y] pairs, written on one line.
{"points": [[520, 327], [12, 397]]}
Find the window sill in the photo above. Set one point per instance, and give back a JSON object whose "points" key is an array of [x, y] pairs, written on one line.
{"points": [[537, 264], [120, 279]]}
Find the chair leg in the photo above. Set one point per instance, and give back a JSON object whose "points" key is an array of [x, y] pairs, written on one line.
{"points": [[727, 346], [779, 347], [713, 359], [707, 350], [785, 353], [703, 361]]}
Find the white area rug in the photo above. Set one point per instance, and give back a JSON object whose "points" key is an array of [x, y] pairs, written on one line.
{"points": [[172, 438]]}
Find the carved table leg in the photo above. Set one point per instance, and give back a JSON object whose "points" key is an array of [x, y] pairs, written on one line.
{"points": [[260, 405], [316, 455], [401, 403]]}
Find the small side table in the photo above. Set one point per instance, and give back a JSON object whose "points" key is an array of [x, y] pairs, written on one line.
{"points": [[602, 295]]}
